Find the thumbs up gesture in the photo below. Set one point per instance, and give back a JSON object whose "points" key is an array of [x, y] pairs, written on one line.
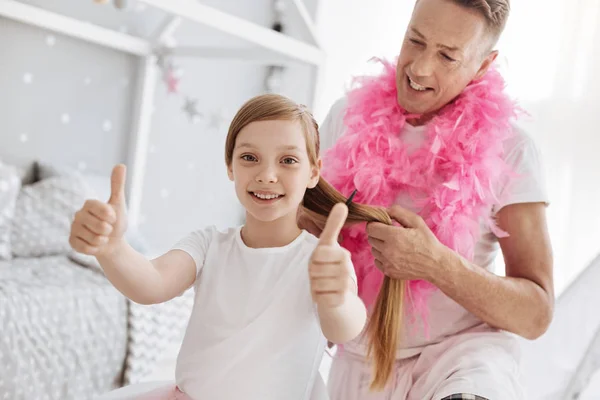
{"points": [[330, 264], [98, 227]]}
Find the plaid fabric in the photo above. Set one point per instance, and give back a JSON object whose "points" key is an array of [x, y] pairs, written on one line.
{"points": [[464, 396]]}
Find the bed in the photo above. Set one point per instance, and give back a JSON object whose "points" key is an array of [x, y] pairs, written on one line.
{"points": [[67, 333]]}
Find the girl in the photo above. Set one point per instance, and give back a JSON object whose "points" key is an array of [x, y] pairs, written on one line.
{"points": [[267, 295]]}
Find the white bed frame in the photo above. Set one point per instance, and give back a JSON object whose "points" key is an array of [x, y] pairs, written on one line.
{"points": [[560, 364], [274, 48]]}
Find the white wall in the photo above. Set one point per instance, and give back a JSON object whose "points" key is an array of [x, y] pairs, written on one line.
{"points": [[64, 102], [352, 32], [558, 85]]}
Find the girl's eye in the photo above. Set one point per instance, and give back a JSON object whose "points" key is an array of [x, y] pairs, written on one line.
{"points": [[248, 157], [289, 160]]}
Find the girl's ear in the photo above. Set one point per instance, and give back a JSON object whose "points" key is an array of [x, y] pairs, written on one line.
{"points": [[315, 174], [230, 172]]}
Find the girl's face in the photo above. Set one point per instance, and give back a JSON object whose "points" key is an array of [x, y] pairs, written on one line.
{"points": [[271, 169]]}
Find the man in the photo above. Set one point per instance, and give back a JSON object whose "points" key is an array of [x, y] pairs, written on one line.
{"points": [[451, 111]]}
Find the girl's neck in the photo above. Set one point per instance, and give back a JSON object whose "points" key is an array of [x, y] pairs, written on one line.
{"points": [[278, 233]]}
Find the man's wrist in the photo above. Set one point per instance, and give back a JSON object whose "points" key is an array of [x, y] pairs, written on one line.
{"points": [[448, 265]]}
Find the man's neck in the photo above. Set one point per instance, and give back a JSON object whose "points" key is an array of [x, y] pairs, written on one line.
{"points": [[421, 120], [278, 233]]}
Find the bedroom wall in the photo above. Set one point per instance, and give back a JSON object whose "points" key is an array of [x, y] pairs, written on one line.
{"points": [[69, 103], [62, 100]]}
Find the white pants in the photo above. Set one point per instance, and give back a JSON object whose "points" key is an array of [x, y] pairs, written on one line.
{"points": [[483, 364]]}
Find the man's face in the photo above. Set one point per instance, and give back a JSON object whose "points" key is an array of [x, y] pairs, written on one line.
{"points": [[445, 47]]}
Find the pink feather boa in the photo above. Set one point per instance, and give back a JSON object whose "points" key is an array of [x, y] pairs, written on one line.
{"points": [[452, 177]]}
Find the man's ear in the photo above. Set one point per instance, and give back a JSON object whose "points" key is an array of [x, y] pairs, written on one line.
{"points": [[486, 64], [315, 174]]}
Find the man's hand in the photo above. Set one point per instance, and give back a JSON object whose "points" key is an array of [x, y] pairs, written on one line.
{"points": [[407, 252], [307, 223]]}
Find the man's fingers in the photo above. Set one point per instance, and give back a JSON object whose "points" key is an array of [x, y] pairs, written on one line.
{"points": [[406, 218], [377, 254], [307, 223], [376, 243], [380, 231]]}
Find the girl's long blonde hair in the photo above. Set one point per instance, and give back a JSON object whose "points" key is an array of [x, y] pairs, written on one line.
{"points": [[383, 327]]}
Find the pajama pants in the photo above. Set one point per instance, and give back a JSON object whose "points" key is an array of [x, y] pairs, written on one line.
{"points": [[479, 366]]}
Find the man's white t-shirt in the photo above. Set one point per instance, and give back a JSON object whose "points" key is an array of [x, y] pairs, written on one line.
{"points": [[254, 332], [446, 317]]}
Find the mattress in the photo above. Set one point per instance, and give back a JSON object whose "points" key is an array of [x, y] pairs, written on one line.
{"points": [[64, 330]]}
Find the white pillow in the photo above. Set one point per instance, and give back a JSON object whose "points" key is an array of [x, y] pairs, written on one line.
{"points": [[43, 216], [99, 184]]}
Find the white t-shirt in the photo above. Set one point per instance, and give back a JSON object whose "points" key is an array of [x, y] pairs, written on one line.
{"points": [[446, 317], [254, 332]]}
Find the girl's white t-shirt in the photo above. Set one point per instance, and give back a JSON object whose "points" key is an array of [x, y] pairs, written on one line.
{"points": [[254, 331]]}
